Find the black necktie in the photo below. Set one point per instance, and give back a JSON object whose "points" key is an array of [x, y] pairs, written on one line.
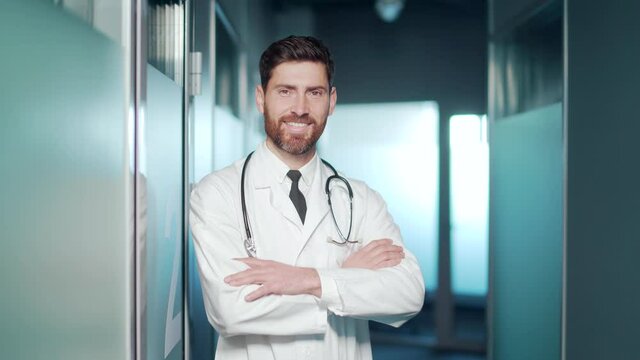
{"points": [[296, 195]]}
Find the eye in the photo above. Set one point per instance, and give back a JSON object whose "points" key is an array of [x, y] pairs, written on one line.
{"points": [[284, 92], [316, 93]]}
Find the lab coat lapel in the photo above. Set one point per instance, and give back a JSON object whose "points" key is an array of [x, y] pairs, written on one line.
{"points": [[278, 199], [317, 207], [281, 203]]}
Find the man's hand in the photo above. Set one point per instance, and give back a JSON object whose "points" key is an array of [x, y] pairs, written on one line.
{"points": [[276, 278], [375, 255]]}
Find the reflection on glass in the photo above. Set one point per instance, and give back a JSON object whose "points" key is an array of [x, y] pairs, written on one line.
{"points": [[161, 177], [227, 138], [394, 148], [100, 14], [227, 67], [166, 30], [228, 129], [469, 151]]}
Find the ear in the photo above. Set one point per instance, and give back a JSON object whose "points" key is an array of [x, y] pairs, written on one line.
{"points": [[260, 98], [333, 97]]}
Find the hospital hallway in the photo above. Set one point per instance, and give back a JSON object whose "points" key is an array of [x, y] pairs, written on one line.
{"points": [[390, 344], [502, 136]]}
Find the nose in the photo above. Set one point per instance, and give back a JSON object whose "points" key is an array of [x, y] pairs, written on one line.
{"points": [[300, 106]]}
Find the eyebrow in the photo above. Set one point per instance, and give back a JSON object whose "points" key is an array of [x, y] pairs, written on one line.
{"points": [[293, 87]]}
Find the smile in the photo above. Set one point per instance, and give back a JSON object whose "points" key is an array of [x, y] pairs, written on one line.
{"points": [[298, 128], [297, 124]]}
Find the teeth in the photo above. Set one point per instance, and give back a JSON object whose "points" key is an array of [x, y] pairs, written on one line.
{"points": [[296, 124]]}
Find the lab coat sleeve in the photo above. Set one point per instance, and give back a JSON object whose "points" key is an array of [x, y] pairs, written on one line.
{"points": [[389, 295], [218, 241]]}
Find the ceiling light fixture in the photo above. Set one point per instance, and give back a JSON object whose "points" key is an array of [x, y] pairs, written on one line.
{"points": [[389, 10]]}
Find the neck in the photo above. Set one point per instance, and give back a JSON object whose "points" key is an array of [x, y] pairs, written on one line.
{"points": [[294, 162]]}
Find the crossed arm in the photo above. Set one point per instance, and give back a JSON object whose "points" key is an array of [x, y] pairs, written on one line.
{"points": [[380, 282], [276, 278]]}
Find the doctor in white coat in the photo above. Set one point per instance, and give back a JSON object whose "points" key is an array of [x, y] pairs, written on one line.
{"points": [[307, 294]]}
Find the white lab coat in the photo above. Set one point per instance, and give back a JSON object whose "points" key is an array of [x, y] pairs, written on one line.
{"points": [[302, 326]]}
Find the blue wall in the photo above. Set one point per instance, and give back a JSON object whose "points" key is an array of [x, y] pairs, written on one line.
{"points": [[603, 175]]}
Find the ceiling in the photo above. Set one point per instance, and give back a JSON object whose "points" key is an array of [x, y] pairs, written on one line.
{"points": [[462, 5]]}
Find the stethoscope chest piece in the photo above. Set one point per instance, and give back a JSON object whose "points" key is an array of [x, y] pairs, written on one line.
{"points": [[250, 247]]}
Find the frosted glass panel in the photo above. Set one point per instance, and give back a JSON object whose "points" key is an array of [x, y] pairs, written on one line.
{"points": [[469, 156], [228, 133], [201, 333], [161, 193], [103, 15], [65, 263], [526, 234], [393, 147]]}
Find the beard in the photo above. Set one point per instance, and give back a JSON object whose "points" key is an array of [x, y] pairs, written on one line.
{"points": [[292, 144]]}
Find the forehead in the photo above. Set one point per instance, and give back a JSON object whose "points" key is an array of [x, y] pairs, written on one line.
{"points": [[302, 73]]}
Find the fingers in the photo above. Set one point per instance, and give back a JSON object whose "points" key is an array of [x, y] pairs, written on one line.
{"points": [[250, 277], [255, 274], [377, 247], [385, 251], [382, 249], [245, 277], [388, 263], [376, 243], [382, 253], [257, 294], [375, 255], [389, 257], [253, 262]]}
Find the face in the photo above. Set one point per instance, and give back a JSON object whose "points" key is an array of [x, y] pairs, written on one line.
{"points": [[295, 104]]}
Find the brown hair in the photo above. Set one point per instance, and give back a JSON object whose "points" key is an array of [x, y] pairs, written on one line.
{"points": [[295, 48]]}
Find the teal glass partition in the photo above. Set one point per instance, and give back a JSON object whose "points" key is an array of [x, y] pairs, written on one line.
{"points": [[228, 128], [200, 111], [395, 153], [66, 269], [161, 173], [526, 220], [160, 186]]}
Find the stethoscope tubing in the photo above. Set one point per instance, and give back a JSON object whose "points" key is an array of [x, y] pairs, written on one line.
{"points": [[249, 243]]}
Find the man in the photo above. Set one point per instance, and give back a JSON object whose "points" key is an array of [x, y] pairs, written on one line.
{"points": [[308, 293]]}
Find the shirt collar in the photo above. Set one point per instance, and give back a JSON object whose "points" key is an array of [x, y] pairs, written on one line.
{"points": [[278, 169]]}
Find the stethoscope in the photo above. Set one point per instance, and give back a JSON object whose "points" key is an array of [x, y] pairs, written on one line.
{"points": [[250, 244]]}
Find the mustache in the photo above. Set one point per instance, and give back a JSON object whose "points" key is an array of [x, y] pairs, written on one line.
{"points": [[295, 118]]}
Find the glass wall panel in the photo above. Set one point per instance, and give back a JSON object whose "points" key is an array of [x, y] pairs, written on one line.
{"points": [[469, 156], [201, 333], [526, 235], [66, 267], [228, 128], [227, 138], [227, 62], [394, 148], [160, 186]]}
